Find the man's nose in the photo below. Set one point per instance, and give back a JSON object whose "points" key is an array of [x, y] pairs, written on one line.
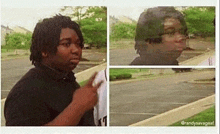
{"points": [[74, 48], [179, 37]]}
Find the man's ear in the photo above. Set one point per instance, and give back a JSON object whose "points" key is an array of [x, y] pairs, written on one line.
{"points": [[44, 54]]}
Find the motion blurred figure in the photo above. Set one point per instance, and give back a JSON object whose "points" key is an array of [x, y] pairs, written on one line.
{"points": [[161, 35]]}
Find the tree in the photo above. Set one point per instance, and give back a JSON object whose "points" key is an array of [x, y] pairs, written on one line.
{"points": [[18, 41], [123, 31], [200, 20], [93, 23], [94, 26], [77, 13]]}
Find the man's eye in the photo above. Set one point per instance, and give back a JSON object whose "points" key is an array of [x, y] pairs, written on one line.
{"points": [[170, 33], [182, 31], [66, 44], [78, 43]]}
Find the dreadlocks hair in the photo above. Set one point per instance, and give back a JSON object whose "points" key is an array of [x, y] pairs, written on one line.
{"points": [[150, 26], [46, 36]]}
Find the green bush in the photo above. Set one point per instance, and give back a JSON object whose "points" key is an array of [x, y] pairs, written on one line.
{"points": [[17, 41], [122, 31], [120, 76], [112, 77], [123, 76], [199, 20], [124, 73]]}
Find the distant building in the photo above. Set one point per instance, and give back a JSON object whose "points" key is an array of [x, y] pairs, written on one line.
{"points": [[126, 19], [19, 29], [121, 19], [113, 20], [4, 30]]}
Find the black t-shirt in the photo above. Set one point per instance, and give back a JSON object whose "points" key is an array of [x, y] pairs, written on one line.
{"points": [[152, 61], [41, 95]]}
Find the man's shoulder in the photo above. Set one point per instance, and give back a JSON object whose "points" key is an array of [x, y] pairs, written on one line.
{"points": [[31, 79], [138, 61], [32, 75]]}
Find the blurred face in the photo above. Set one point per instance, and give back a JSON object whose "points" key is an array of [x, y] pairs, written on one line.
{"points": [[68, 52], [173, 40]]}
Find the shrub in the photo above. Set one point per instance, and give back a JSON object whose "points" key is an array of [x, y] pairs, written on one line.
{"points": [[18, 41], [120, 76], [123, 76], [122, 31], [112, 77]]}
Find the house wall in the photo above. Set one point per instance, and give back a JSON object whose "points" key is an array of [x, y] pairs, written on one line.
{"points": [[4, 31]]}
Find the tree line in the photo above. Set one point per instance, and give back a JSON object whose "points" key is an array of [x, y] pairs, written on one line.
{"points": [[92, 21], [200, 22]]}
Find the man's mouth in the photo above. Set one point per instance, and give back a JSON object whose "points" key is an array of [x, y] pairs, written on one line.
{"points": [[75, 59], [179, 49]]}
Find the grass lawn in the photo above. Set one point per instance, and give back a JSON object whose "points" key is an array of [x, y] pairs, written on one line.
{"points": [[122, 44], [102, 50], [207, 39], [117, 71], [3, 50], [205, 118]]}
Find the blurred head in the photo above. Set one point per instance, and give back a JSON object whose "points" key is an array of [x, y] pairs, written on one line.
{"points": [[161, 31], [46, 36]]}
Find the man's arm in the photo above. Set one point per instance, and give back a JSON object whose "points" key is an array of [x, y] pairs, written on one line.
{"points": [[83, 100]]}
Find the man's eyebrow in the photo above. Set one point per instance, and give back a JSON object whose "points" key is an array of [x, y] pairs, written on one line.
{"points": [[65, 39], [169, 28], [69, 39]]}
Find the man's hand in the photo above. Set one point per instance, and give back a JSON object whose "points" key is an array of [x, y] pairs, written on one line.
{"points": [[86, 97]]}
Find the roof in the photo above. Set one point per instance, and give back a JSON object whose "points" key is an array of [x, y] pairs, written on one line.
{"points": [[6, 27], [24, 29]]}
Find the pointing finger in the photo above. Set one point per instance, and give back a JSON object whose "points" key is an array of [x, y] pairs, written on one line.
{"points": [[97, 86]]}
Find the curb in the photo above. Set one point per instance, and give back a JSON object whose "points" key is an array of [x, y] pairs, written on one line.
{"points": [[178, 114], [197, 60], [86, 74], [138, 79]]}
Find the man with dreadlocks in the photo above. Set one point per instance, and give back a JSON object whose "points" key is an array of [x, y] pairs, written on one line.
{"points": [[48, 94], [160, 36]]}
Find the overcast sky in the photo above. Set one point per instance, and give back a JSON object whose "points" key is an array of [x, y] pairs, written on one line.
{"points": [[132, 12], [27, 13], [25, 17]]}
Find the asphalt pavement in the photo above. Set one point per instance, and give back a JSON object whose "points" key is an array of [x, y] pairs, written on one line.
{"points": [[138, 100], [12, 69], [127, 55]]}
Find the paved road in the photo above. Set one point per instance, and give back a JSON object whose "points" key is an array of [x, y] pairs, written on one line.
{"points": [[122, 56], [12, 70], [126, 56], [135, 101]]}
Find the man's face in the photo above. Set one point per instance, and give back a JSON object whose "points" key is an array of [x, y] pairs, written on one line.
{"points": [[68, 53], [173, 40]]}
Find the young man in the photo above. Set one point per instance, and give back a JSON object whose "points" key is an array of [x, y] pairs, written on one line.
{"points": [[49, 94], [160, 37]]}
